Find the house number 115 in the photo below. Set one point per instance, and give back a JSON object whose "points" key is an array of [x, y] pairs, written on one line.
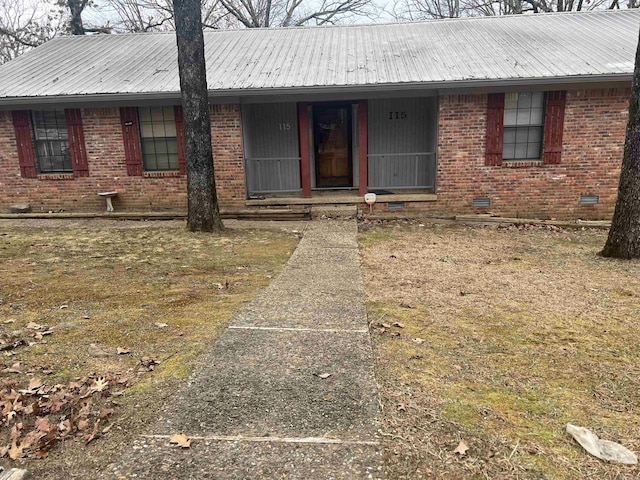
{"points": [[285, 126], [397, 115]]}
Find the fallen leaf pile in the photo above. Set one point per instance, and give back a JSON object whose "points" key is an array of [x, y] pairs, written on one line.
{"points": [[40, 415], [529, 226], [32, 334]]}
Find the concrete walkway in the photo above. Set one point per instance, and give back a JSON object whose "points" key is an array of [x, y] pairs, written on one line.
{"points": [[259, 407]]}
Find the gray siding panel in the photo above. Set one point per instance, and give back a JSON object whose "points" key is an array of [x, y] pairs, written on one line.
{"points": [[271, 130], [402, 142], [273, 175], [271, 146], [388, 134], [402, 171]]}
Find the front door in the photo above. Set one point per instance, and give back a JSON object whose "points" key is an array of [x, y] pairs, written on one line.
{"points": [[332, 138]]}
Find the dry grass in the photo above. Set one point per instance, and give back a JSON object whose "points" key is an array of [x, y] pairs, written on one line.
{"points": [[525, 330], [109, 284]]}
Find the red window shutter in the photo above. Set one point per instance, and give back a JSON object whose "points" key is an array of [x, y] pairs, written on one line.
{"points": [[131, 137], [182, 149], [73, 117], [495, 129], [26, 153], [553, 125]]}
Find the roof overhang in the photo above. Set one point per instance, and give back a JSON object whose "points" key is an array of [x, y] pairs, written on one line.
{"points": [[337, 92]]}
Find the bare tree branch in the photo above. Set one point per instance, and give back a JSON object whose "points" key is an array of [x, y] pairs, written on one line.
{"points": [[25, 24]]}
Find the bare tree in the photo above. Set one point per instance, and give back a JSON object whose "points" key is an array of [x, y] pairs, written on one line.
{"points": [[286, 13], [72, 10], [203, 211], [624, 235], [158, 15], [24, 25], [421, 9]]}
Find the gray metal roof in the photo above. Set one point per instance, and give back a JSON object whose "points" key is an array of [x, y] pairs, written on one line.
{"points": [[464, 52]]}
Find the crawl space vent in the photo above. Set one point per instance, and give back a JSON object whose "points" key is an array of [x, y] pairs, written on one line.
{"points": [[481, 202], [396, 205], [589, 199]]}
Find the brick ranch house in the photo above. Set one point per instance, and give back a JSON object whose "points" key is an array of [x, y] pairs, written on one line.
{"points": [[519, 116]]}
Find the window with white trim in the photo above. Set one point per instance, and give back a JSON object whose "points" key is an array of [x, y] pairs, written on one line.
{"points": [[158, 138], [523, 126]]}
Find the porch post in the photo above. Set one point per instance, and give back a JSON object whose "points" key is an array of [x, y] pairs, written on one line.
{"points": [[363, 145], [305, 160]]}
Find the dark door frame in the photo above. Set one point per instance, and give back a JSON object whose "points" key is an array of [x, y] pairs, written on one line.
{"points": [[348, 106]]}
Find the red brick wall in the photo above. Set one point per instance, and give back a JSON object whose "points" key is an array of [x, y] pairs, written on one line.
{"points": [[594, 129], [593, 140], [228, 154], [107, 170]]}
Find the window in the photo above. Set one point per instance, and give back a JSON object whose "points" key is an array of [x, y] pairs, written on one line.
{"points": [[523, 125], [158, 138], [51, 141]]}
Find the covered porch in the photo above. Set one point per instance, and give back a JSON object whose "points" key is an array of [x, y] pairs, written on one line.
{"points": [[306, 153]]}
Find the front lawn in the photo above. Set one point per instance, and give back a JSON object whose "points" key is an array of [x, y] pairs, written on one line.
{"points": [[501, 337], [109, 316]]}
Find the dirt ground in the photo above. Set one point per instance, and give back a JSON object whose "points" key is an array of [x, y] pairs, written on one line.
{"points": [[497, 337], [73, 292]]}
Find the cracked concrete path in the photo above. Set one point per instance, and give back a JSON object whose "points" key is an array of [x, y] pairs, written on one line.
{"points": [[258, 407]]}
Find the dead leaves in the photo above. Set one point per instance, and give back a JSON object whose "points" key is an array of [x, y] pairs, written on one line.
{"points": [[392, 328], [462, 448], [180, 440], [98, 385], [32, 334], [148, 363], [98, 351], [15, 368], [40, 414]]}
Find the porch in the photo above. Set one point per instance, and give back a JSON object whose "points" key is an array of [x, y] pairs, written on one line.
{"points": [[327, 152]]}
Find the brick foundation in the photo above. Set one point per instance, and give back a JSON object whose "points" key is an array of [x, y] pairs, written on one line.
{"points": [[594, 129]]}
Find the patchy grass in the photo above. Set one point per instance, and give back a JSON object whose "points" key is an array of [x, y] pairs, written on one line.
{"points": [[109, 284], [508, 335]]}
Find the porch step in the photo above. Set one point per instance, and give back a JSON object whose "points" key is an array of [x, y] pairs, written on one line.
{"points": [[334, 211]]}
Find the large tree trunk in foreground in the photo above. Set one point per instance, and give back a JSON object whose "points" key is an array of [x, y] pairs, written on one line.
{"points": [[203, 211], [624, 235]]}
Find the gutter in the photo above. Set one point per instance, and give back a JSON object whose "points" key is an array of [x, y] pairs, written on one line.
{"points": [[233, 95]]}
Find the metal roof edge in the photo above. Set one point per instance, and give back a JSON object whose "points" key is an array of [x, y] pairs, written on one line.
{"points": [[220, 95]]}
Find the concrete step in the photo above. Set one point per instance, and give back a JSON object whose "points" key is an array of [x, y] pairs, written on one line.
{"points": [[334, 211]]}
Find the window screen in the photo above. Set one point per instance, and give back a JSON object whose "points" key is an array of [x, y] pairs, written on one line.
{"points": [[523, 125], [51, 141], [158, 138]]}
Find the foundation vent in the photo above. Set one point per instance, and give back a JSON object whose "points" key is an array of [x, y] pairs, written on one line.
{"points": [[481, 202], [396, 205], [589, 199]]}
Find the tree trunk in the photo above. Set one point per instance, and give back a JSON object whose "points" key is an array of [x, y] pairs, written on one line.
{"points": [[75, 22], [203, 210], [624, 235]]}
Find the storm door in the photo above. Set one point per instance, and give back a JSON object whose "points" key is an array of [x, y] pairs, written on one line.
{"points": [[332, 144]]}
